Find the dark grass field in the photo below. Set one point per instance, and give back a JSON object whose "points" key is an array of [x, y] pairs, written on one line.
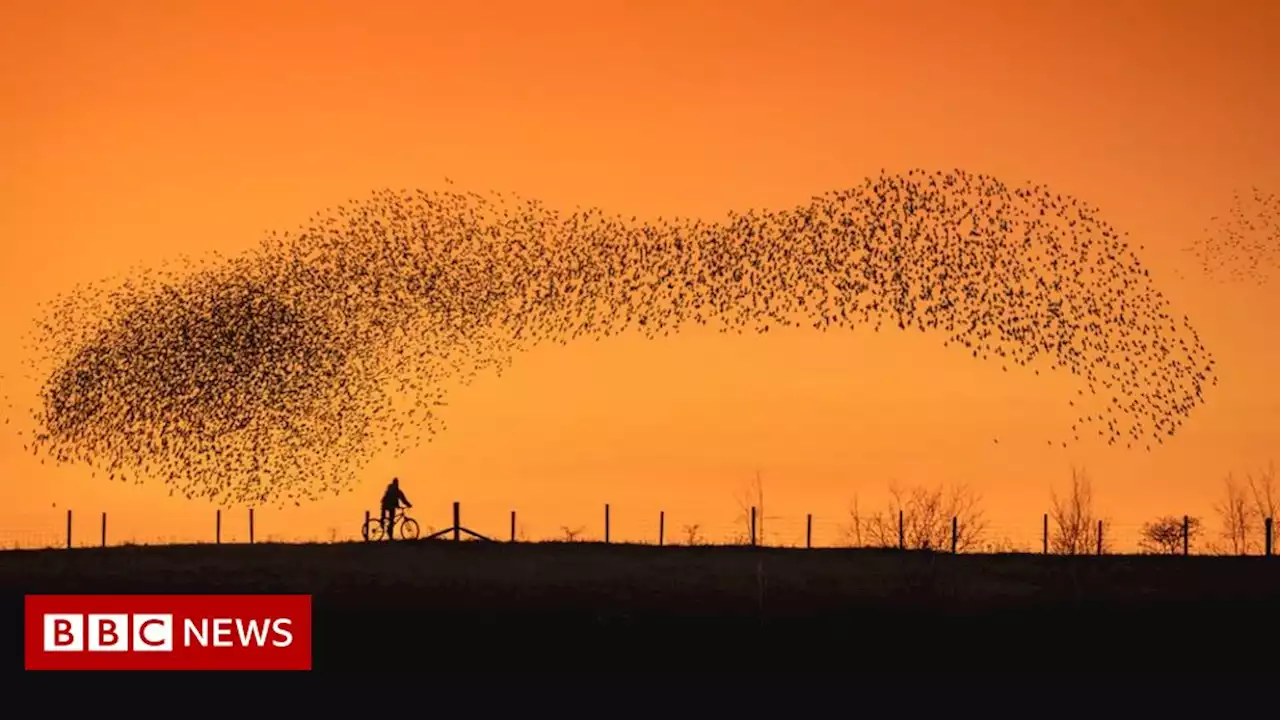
{"points": [[552, 607]]}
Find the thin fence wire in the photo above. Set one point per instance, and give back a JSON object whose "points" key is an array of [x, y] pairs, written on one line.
{"points": [[83, 529]]}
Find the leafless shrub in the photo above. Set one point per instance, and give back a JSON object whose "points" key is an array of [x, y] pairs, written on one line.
{"points": [[570, 534], [1164, 536], [926, 515], [852, 533], [693, 535]]}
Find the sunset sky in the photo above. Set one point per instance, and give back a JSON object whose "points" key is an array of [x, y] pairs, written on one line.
{"points": [[133, 131]]}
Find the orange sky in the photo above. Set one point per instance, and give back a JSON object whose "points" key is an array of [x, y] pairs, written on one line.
{"points": [[133, 131]]}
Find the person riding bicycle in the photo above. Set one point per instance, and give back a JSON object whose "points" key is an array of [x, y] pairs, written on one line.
{"points": [[392, 499]]}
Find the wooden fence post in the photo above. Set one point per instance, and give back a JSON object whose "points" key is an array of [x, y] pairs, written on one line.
{"points": [[1099, 537], [68, 528], [955, 533], [808, 530], [753, 526], [902, 532], [662, 526], [104, 529], [364, 529], [513, 526], [1186, 535], [1044, 537], [250, 526], [217, 527], [457, 520], [606, 522], [1270, 542]]}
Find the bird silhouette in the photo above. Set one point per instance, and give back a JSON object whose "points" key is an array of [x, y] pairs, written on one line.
{"points": [[1243, 244]]}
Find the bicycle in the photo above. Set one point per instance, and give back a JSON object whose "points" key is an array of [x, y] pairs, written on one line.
{"points": [[374, 530]]}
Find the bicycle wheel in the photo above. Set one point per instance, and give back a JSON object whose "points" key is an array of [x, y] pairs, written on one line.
{"points": [[409, 529], [373, 529]]}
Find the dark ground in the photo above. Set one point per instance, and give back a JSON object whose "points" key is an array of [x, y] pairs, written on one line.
{"points": [[553, 607]]}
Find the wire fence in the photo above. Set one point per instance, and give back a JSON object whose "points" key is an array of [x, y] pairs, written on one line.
{"points": [[1046, 533]]}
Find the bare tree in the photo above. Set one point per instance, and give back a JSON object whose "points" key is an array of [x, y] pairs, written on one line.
{"points": [[1074, 519], [1236, 513], [1266, 495], [852, 532], [927, 515], [752, 497], [571, 534], [1243, 510], [693, 534], [1165, 535]]}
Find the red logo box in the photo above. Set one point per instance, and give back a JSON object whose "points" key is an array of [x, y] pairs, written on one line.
{"points": [[167, 632]]}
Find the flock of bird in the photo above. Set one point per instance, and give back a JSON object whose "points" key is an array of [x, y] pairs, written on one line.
{"points": [[273, 377], [1244, 244]]}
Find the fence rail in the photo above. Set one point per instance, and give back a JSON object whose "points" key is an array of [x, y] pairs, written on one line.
{"points": [[942, 534]]}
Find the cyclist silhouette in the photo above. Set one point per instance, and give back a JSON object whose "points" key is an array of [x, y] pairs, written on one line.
{"points": [[391, 501]]}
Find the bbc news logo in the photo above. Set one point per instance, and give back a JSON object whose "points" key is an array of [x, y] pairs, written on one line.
{"points": [[168, 632], [143, 632]]}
